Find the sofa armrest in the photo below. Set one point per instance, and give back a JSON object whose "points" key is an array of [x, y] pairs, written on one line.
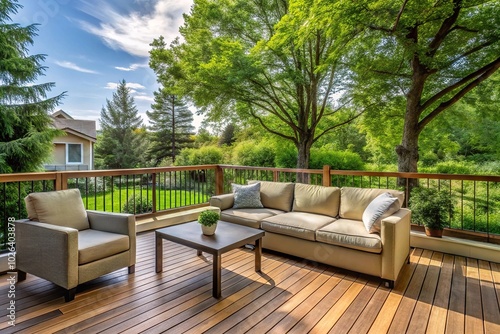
{"points": [[223, 202], [395, 235], [121, 223], [48, 251]]}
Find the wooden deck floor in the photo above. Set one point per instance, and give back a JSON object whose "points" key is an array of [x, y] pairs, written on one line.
{"points": [[437, 293]]}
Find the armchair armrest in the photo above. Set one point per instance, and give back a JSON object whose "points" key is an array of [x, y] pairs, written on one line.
{"points": [[121, 223], [395, 235], [48, 251], [223, 202]]}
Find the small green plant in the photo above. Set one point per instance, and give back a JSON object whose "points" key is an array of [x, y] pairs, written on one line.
{"points": [[208, 218], [431, 208], [137, 204]]}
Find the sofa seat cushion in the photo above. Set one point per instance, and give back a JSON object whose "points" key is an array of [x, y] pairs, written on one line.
{"points": [[350, 233], [301, 225], [248, 217], [95, 245]]}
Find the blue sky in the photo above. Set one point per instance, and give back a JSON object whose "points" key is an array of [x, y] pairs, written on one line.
{"points": [[91, 45]]}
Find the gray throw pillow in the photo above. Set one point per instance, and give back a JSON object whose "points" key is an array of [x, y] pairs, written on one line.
{"points": [[381, 207], [246, 196]]}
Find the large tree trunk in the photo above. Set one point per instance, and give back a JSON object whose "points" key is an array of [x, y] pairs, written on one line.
{"points": [[304, 153]]}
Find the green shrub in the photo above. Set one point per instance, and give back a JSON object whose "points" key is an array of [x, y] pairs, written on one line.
{"points": [[454, 167], [430, 207], [286, 157], [208, 218], [249, 154], [340, 160], [136, 204], [206, 155]]}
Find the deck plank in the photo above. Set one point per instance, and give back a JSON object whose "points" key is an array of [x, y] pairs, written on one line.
{"points": [[435, 293]]}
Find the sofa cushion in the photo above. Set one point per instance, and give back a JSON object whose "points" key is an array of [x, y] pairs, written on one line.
{"points": [[276, 195], [301, 225], [248, 217], [351, 234], [95, 245], [381, 207], [246, 196], [316, 199], [353, 201], [62, 208]]}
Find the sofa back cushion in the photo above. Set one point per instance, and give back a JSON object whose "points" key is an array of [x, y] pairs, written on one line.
{"points": [[276, 195], [316, 199], [62, 208], [354, 201]]}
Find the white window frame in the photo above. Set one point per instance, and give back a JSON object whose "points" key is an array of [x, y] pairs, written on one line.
{"points": [[67, 154]]}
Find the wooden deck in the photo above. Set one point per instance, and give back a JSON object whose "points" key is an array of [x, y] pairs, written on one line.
{"points": [[436, 293]]}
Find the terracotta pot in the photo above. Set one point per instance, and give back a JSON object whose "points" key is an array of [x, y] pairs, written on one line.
{"points": [[431, 232], [208, 230]]}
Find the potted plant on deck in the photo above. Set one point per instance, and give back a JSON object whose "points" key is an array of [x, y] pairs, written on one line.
{"points": [[208, 220], [431, 208]]}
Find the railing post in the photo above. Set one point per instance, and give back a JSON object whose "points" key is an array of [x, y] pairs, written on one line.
{"points": [[61, 181], [219, 180], [326, 176], [276, 176]]}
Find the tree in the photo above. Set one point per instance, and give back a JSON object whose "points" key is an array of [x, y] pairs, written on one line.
{"points": [[26, 130], [253, 59], [122, 142], [423, 56], [171, 125], [228, 135]]}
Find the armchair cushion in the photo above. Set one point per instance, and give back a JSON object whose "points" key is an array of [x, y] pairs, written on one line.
{"points": [[61, 208], [95, 245]]}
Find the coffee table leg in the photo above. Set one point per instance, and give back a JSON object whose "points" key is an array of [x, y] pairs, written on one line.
{"points": [[199, 252], [258, 254], [216, 284], [159, 253]]}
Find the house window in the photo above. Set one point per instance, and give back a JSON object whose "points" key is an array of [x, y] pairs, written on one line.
{"points": [[74, 153]]}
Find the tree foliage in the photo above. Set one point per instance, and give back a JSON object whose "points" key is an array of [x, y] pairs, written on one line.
{"points": [[255, 60], [25, 124], [422, 58], [171, 126], [121, 144]]}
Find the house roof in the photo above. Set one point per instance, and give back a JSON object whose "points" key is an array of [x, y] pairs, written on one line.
{"points": [[82, 128]]}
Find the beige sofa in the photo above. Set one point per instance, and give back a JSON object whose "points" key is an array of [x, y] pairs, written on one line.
{"points": [[324, 224]]}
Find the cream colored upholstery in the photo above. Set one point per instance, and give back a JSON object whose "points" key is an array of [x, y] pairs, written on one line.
{"points": [[276, 195], [301, 225], [69, 246], [326, 226], [316, 199]]}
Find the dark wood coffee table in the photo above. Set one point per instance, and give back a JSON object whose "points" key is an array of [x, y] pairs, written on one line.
{"points": [[227, 237]]}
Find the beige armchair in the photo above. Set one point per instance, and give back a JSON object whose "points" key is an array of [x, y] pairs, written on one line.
{"points": [[67, 245]]}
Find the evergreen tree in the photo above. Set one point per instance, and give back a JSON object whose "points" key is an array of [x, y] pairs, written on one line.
{"points": [[122, 142], [228, 135], [25, 124], [171, 126]]}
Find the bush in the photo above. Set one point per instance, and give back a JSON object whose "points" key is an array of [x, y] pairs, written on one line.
{"points": [[454, 167], [206, 155], [340, 160], [430, 207], [136, 204], [249, 154]]}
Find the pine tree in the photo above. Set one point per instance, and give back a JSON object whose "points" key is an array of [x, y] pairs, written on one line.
{"points": [[25, 124], [121, 144], [171, 126]]}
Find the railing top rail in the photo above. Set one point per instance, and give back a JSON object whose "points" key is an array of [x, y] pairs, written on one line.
{"points": [[133, 171], [490, 178], [17, 177]]}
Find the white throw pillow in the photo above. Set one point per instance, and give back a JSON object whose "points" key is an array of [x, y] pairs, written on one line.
{"points": [[381, 207], [246, 196]]}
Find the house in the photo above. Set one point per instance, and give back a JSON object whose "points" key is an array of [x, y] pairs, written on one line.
{"points": [[75, 150]]}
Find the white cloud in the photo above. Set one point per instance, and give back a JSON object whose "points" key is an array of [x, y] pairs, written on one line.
{"points": [[133, 32], [132, 67], [144, 97], [73, 66], [133, 86]]}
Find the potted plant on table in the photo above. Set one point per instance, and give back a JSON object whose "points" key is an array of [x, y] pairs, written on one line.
{"points": [[431, 208], [208, 220]]}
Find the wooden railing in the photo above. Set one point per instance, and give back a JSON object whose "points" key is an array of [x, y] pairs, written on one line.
{"points": [[147, 191]]}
